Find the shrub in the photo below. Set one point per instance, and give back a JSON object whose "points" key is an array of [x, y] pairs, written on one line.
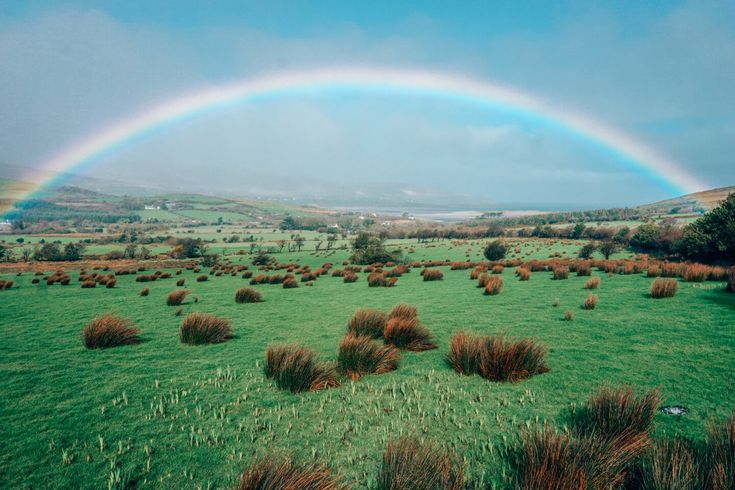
{"points": [[592, 283], [281, 473], [204, 328], [410, 464], [298, 369], [349, 276], [495, 250], [494, 285], [584, 269], [617, 411], [109, 331], [569, 315], [664, 288], [145, 292], [202, 278], [433, 275], [523, 274], [290, 283], [408, 334], [361, 355], [404, 311], [560, 273], [247, 295], [368, 322], [590, 303], [176, 298]]}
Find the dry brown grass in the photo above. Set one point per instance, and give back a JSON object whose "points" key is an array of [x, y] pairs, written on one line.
{"points": [[433, 275], [408, 334], [109, 331], [362, 355], [523, 274], [404, 311], [248, 295], [298, 369], [145, 292], [368, 322], [592, 283], [412, 464], [590, 303], [284, 474], [290, 283], [494, 285], [176, 298], [569, 315], [664, 288], [561, 272], [204, 328]]}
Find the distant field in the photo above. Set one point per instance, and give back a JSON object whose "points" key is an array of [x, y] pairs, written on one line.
{"points": [[165, 415]]}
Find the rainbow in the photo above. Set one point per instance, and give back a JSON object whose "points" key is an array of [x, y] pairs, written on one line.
{"points": [[429, 83]]}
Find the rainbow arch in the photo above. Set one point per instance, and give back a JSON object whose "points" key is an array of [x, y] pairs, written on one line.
{"points": [[289, 83]]}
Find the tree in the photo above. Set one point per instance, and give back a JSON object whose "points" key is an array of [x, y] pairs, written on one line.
{"points": [[712, 237], [261, 258], [26, 254], [288, 223], [131, 250], [299, 240], [607, 248], [495, 230], [281, 245], [369, 249], [587, 250], [578, 231], [145, 253], [331, 238], [645, 238], [49, 252], [189, 248], [495, 250], [73, 251]]}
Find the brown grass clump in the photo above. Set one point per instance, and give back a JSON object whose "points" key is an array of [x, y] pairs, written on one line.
{"points": [[664, 288], [361, 355], [180, 282], [523, 274], [349, 276], [410, 464], [145, 292], [408, 334], [176, 298], [590, 303], [433, 275], [718, 455], [569, 315], [109, 331], [204, 328], [298, 369], [669, 465], [378, 279], [464, 353], [284, 474], [730, 280], [561, 272], [368, 322], [584, 269], [247, 295], [91, 283], [592, 283], [404, 311], [653, 271], [497, 269], [695, 273], [290, 283], [202, 278], [617, 411], [482, 280], [494, 285]]}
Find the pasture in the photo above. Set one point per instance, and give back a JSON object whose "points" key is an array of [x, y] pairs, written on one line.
{"points": [[163, 414]]}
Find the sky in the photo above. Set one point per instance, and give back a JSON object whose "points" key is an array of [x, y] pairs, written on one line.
{"points": [[662, 72]]}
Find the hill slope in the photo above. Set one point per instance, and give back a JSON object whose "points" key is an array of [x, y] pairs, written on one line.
{"points": [[704, 200]]}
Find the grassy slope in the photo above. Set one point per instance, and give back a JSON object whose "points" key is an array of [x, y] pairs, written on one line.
{"points": [[202, 427]]}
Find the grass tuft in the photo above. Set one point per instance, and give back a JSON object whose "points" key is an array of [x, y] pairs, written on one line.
{"points": [[204, 328], [283, 473], [176, 298], [408, 334], [368, 322], [664, 288], [109, 331], [247, 295], [410, 464], [297, 369], [361, 355]]}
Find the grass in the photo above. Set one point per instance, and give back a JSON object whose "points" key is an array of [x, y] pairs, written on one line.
{"points": [[408, 334], [109, 331], [360, 355], [284, 473], [368, 322], [204, 328], [412, 464], [176, 298], [192, 411], [664, 288], [298, 368], [248, 295]]}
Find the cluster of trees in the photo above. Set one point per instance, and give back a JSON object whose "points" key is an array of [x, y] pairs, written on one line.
{"points": [[369, 248], [33, 211], [54, 252]]}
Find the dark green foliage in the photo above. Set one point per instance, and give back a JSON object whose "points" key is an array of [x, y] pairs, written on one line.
{"points": [[495, 250], [370, 249], [712, 237]]}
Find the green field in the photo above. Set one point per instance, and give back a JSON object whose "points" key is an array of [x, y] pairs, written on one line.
{"points": [[161, 414]]}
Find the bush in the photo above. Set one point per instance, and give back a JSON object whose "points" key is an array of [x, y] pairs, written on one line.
{"points": [[247, 295], [368, 322], [298, 369], [664, 288], [349, 276], [404, 311], [497, 358], [614, 412], [433, 275], [495, 250], [560, 273], [204, 328], [176, 298], [494, 285], [109, 284], [590, 303], [584, 269], [290, 283], [109, 331], [408, 334], [592, 283], [145, 292], [280, 473], [202, 278], [409, 464], [523, 274], [361, 355]]}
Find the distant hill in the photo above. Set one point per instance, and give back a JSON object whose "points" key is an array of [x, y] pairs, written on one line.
{"points": [[699, 201]]}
